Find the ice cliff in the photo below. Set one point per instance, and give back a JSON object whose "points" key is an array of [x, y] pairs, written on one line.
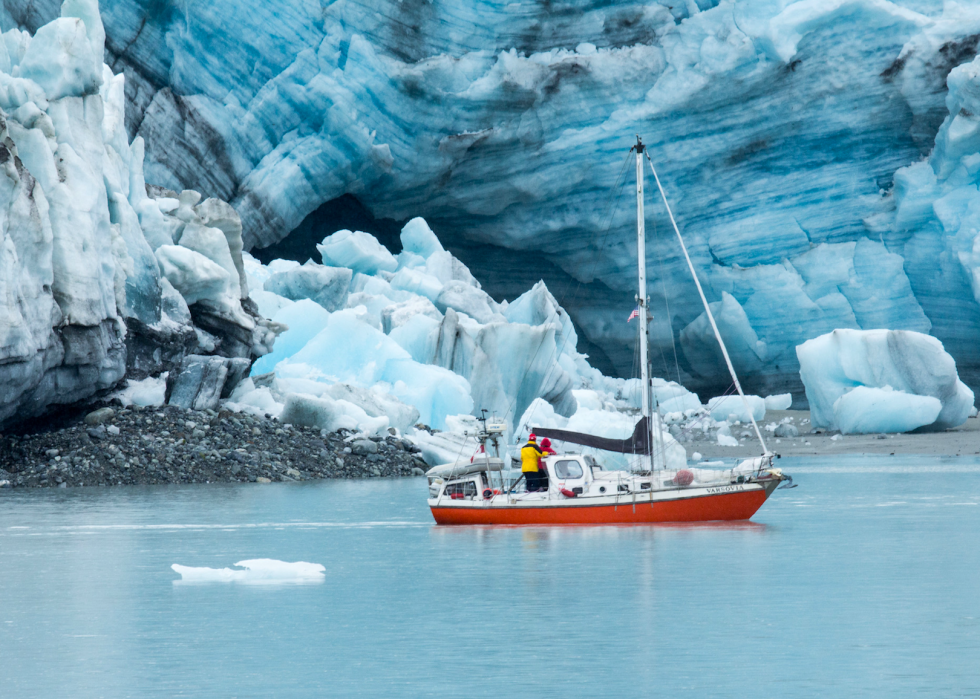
{"points": [[791, 136], [99, 280]]}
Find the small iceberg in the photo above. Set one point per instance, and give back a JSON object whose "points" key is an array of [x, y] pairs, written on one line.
{"points": [[255, 571]]}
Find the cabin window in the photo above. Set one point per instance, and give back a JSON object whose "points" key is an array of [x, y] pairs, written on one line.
{"points": [[568, 469], [467, 489]]}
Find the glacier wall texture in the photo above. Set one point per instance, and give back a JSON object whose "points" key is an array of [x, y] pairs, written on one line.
{"points": [[793, 137], [99, 280]]}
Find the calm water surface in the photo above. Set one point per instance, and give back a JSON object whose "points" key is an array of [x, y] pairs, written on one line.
{"points": [[863, 581]]}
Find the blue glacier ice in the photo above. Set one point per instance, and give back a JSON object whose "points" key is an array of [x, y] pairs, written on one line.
{"points": [[391, 358], [882, 381], [800, 142]]}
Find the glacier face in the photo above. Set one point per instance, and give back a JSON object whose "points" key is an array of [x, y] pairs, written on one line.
{"points": [[98, 279], [789, 135]]}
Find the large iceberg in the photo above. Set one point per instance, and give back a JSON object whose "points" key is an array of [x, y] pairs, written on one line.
{"points": [[790, 135], [99, 280], [882, 381], [392, 358]]}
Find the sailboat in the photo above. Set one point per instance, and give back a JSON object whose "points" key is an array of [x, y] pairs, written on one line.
{"points": [[579, 490]]}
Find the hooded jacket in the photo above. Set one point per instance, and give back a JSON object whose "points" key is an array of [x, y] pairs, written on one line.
{"points": [[531, 454]]}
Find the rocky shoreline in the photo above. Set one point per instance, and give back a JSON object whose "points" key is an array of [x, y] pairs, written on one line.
{"points": [[156, 445]]}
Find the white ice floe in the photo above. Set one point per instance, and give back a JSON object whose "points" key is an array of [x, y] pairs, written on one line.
{"points": [[255, 571], [862, 381], [781, 402], [733, 408]]}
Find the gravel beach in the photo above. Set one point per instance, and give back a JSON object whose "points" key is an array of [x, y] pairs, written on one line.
{"points": [[962, 440], [138, 446], [134, 446]]}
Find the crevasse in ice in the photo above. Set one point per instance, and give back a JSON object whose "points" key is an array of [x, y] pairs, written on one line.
{"points": [[789, 134]]}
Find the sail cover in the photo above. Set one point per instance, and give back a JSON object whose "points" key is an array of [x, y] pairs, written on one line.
{"points": [[639, 443]]}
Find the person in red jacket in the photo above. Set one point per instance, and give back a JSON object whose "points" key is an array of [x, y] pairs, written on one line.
{"points": [[546, 446]]}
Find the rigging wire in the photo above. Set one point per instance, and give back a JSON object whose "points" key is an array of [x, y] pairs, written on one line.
{"points": [[615, 196], [670, 318], [707, 310]]}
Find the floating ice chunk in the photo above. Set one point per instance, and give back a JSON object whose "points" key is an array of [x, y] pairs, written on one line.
{"points": [[906, 361], [325, 285], [781, 402], [865, 410], [304, 319], [418, 238], [723, 407], [149, 391], [358, 251], [254, 571]]}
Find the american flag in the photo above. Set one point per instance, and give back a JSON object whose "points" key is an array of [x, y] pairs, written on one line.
{"points": [[634, 314]]}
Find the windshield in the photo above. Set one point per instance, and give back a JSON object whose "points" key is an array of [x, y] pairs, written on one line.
{"points": [[568, 469]]}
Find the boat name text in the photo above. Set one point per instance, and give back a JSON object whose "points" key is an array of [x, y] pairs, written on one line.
{"points": [[726, 489]]}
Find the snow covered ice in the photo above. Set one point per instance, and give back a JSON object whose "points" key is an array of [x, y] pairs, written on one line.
{"points": [[882, 381]]}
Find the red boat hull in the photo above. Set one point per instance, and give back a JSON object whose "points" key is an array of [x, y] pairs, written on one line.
{"points": [[724, 507]]}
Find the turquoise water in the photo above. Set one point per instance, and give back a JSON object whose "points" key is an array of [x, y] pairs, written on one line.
{"points": [[863, 581]]}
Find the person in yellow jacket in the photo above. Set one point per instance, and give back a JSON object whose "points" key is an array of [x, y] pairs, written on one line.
{"points": [[531, 464]]}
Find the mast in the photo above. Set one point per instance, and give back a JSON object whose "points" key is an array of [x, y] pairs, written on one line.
{"points": [[641, 299], [707, 309]]}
